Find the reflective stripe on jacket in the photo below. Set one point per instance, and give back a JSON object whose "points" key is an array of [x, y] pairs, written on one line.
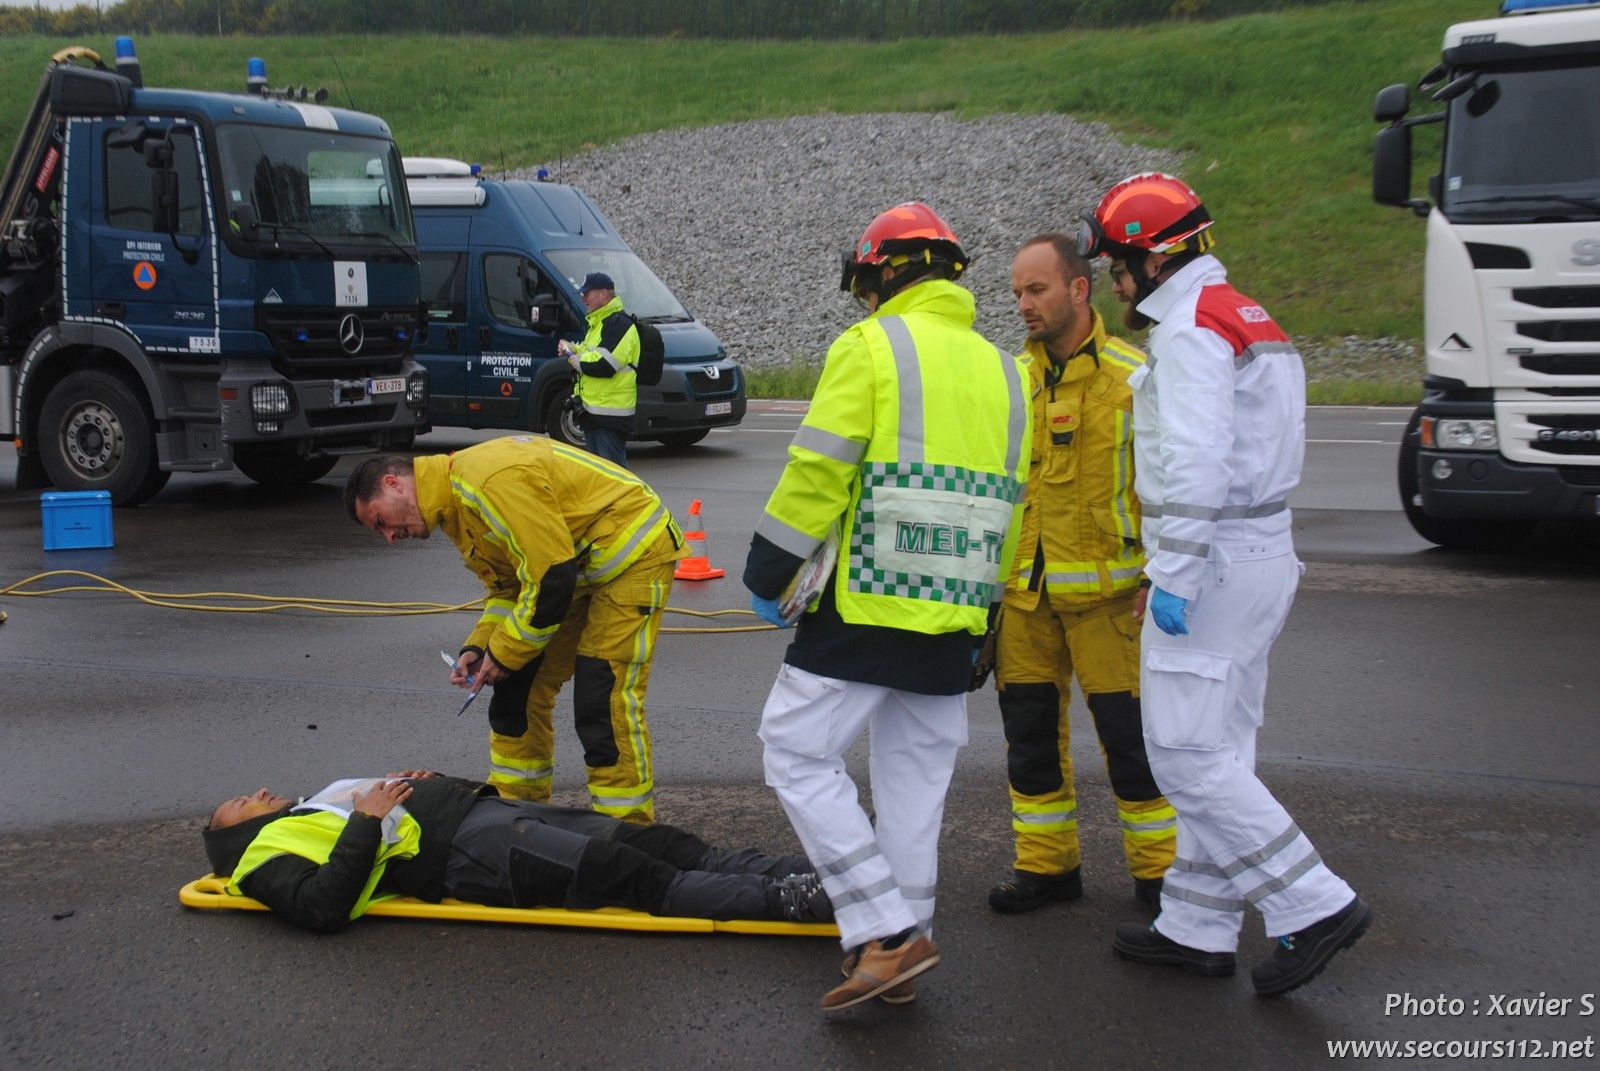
{"points": [[1080, 521], [608, 362], [533, 518], [1220, 416], [916, 445]]}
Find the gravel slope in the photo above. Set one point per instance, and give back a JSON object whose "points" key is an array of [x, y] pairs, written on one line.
{"points": [[745, 221]]}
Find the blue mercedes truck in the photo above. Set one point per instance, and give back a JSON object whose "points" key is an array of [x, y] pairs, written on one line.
{"points": [[501, 265], [193, 281]]}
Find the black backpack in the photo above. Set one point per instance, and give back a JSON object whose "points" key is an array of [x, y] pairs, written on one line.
{"points": [[652, 354]]}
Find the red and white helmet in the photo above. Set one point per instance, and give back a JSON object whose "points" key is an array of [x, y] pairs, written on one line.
{"points": [[1152, 212], [905, 232]]}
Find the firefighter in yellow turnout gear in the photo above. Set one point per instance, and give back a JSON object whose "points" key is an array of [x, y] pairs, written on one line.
{"points": [[577, 555], [1074, 600]]}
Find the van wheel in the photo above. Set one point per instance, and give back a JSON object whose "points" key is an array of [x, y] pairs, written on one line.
{"points": [[680, 439], [560, 422], [95, 434], [281, 468], [1448, 532]]}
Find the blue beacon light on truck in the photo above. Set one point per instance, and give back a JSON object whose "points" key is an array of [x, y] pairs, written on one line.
{"points": [[255, 69]]}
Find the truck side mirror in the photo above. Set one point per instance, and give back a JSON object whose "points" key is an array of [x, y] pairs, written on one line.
{"points": [[164, 202], [158, 154], [244, 220], [1391, 169], [1392, 103], [549, 315], [133, 135]]}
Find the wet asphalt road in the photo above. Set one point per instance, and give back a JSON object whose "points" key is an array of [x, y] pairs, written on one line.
{"points": [[1432, 725]]}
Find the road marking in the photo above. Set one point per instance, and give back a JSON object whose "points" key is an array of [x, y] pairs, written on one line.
{"points": [[1355, 442]]}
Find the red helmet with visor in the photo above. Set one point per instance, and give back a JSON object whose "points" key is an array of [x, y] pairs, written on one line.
{"points": [[907, 232], [1152, 212]]}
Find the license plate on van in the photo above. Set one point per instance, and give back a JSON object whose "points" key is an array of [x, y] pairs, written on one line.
{"points": [[718, 408], [387, 385]]}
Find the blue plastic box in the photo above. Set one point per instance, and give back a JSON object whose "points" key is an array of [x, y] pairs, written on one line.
{"points": [[76, 520]]}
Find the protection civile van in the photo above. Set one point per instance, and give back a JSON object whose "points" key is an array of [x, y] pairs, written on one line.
{"points": [[501, 265]]}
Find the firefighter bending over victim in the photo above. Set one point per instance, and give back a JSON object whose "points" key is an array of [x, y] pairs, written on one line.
{"points": [[577, 557], [915, 448], [1073, 604], [1219, 414], [319, 862]]}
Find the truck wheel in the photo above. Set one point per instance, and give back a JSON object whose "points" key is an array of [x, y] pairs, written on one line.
{"points": [[282, 468], [561, 423], [96, 435], [1449, 532], [680, 439]]}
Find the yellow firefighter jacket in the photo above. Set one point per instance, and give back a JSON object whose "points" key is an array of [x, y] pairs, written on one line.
{"points": [[1080, 522], [533, 518]]}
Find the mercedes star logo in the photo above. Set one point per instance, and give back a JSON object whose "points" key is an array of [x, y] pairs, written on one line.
{"points": [[351, 334]]}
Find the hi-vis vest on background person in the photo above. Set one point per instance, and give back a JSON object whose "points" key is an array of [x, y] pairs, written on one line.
{"points": [[931, 522]]}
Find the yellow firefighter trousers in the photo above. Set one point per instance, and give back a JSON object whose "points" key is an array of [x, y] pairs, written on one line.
{"points": [[604, 645], [1037, 654]]}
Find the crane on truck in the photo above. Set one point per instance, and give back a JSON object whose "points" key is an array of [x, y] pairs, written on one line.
{"points": [[193, 281], [1508, 432]]}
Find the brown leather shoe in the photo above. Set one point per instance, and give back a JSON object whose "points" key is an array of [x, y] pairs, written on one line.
{"points": [[904, 993], [879, 969]]}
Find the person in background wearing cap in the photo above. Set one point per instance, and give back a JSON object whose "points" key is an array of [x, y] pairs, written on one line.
{"points": [[607, 365], [321, 861], [915, 450], [1219, 437]]}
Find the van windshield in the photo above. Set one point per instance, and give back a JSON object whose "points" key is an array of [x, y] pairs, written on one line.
{"points": [[643, 295]]}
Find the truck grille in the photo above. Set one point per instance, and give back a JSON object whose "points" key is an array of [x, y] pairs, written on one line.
{"points": [[1561, 330], [1580, 477], [355, 414], [1566, 434], [1558, 297], [1562, 364], [320, 354]]}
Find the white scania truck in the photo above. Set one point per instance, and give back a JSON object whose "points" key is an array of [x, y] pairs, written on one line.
{"points": [[1508, 432]]}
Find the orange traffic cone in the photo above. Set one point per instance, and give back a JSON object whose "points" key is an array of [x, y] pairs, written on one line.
{"points": [[697, 566]]}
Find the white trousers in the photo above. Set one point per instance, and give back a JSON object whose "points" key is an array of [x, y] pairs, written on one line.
{"points": [[880, 877], [1203, 695]]}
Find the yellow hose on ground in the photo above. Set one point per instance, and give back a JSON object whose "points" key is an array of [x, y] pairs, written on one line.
{"points": [[259, 604]]}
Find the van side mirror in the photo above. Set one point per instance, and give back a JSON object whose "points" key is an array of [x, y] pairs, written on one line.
{"points": [[549, 315]]}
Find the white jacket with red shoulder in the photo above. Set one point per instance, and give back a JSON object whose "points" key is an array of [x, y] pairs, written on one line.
{"points": [[1219, 414]]}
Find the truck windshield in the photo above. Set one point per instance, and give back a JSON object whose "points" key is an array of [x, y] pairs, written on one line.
{"points": [[643, 295], [1523, 144], [317, 190]]}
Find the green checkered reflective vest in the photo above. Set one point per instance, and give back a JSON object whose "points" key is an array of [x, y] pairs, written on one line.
{"points": [[917, 442]]}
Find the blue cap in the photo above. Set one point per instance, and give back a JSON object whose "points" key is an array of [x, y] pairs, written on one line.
{"points": [[125, 48], [596, 280]]}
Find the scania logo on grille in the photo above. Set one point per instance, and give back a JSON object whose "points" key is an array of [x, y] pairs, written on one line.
{"points": [[712, 371], [351, 333]]}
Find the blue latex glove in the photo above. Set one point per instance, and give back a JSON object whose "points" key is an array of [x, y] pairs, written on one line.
{"points": [[767, 610], [1167, 609]]}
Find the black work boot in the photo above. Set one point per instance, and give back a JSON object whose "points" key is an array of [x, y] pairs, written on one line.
{"points": [[1148, 892], [1027, 891], [1146, 944], [1300, 956]]}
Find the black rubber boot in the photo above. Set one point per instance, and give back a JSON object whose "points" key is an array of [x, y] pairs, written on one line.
{"points": [[1027, 891], [1146, 944], [1300, 956]]}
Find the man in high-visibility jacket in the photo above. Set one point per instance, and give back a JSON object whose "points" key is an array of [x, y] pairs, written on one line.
{"points": [[321, 861], [577, 556], [607, 364], [914, 453], [1220, 417], [1074, 600]]}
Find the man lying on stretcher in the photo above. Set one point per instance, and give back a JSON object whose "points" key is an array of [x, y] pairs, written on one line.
{"points": [[320, 861]]}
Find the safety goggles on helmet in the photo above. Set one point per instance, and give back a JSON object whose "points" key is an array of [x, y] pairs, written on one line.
{"points": [[1152, 212]]}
